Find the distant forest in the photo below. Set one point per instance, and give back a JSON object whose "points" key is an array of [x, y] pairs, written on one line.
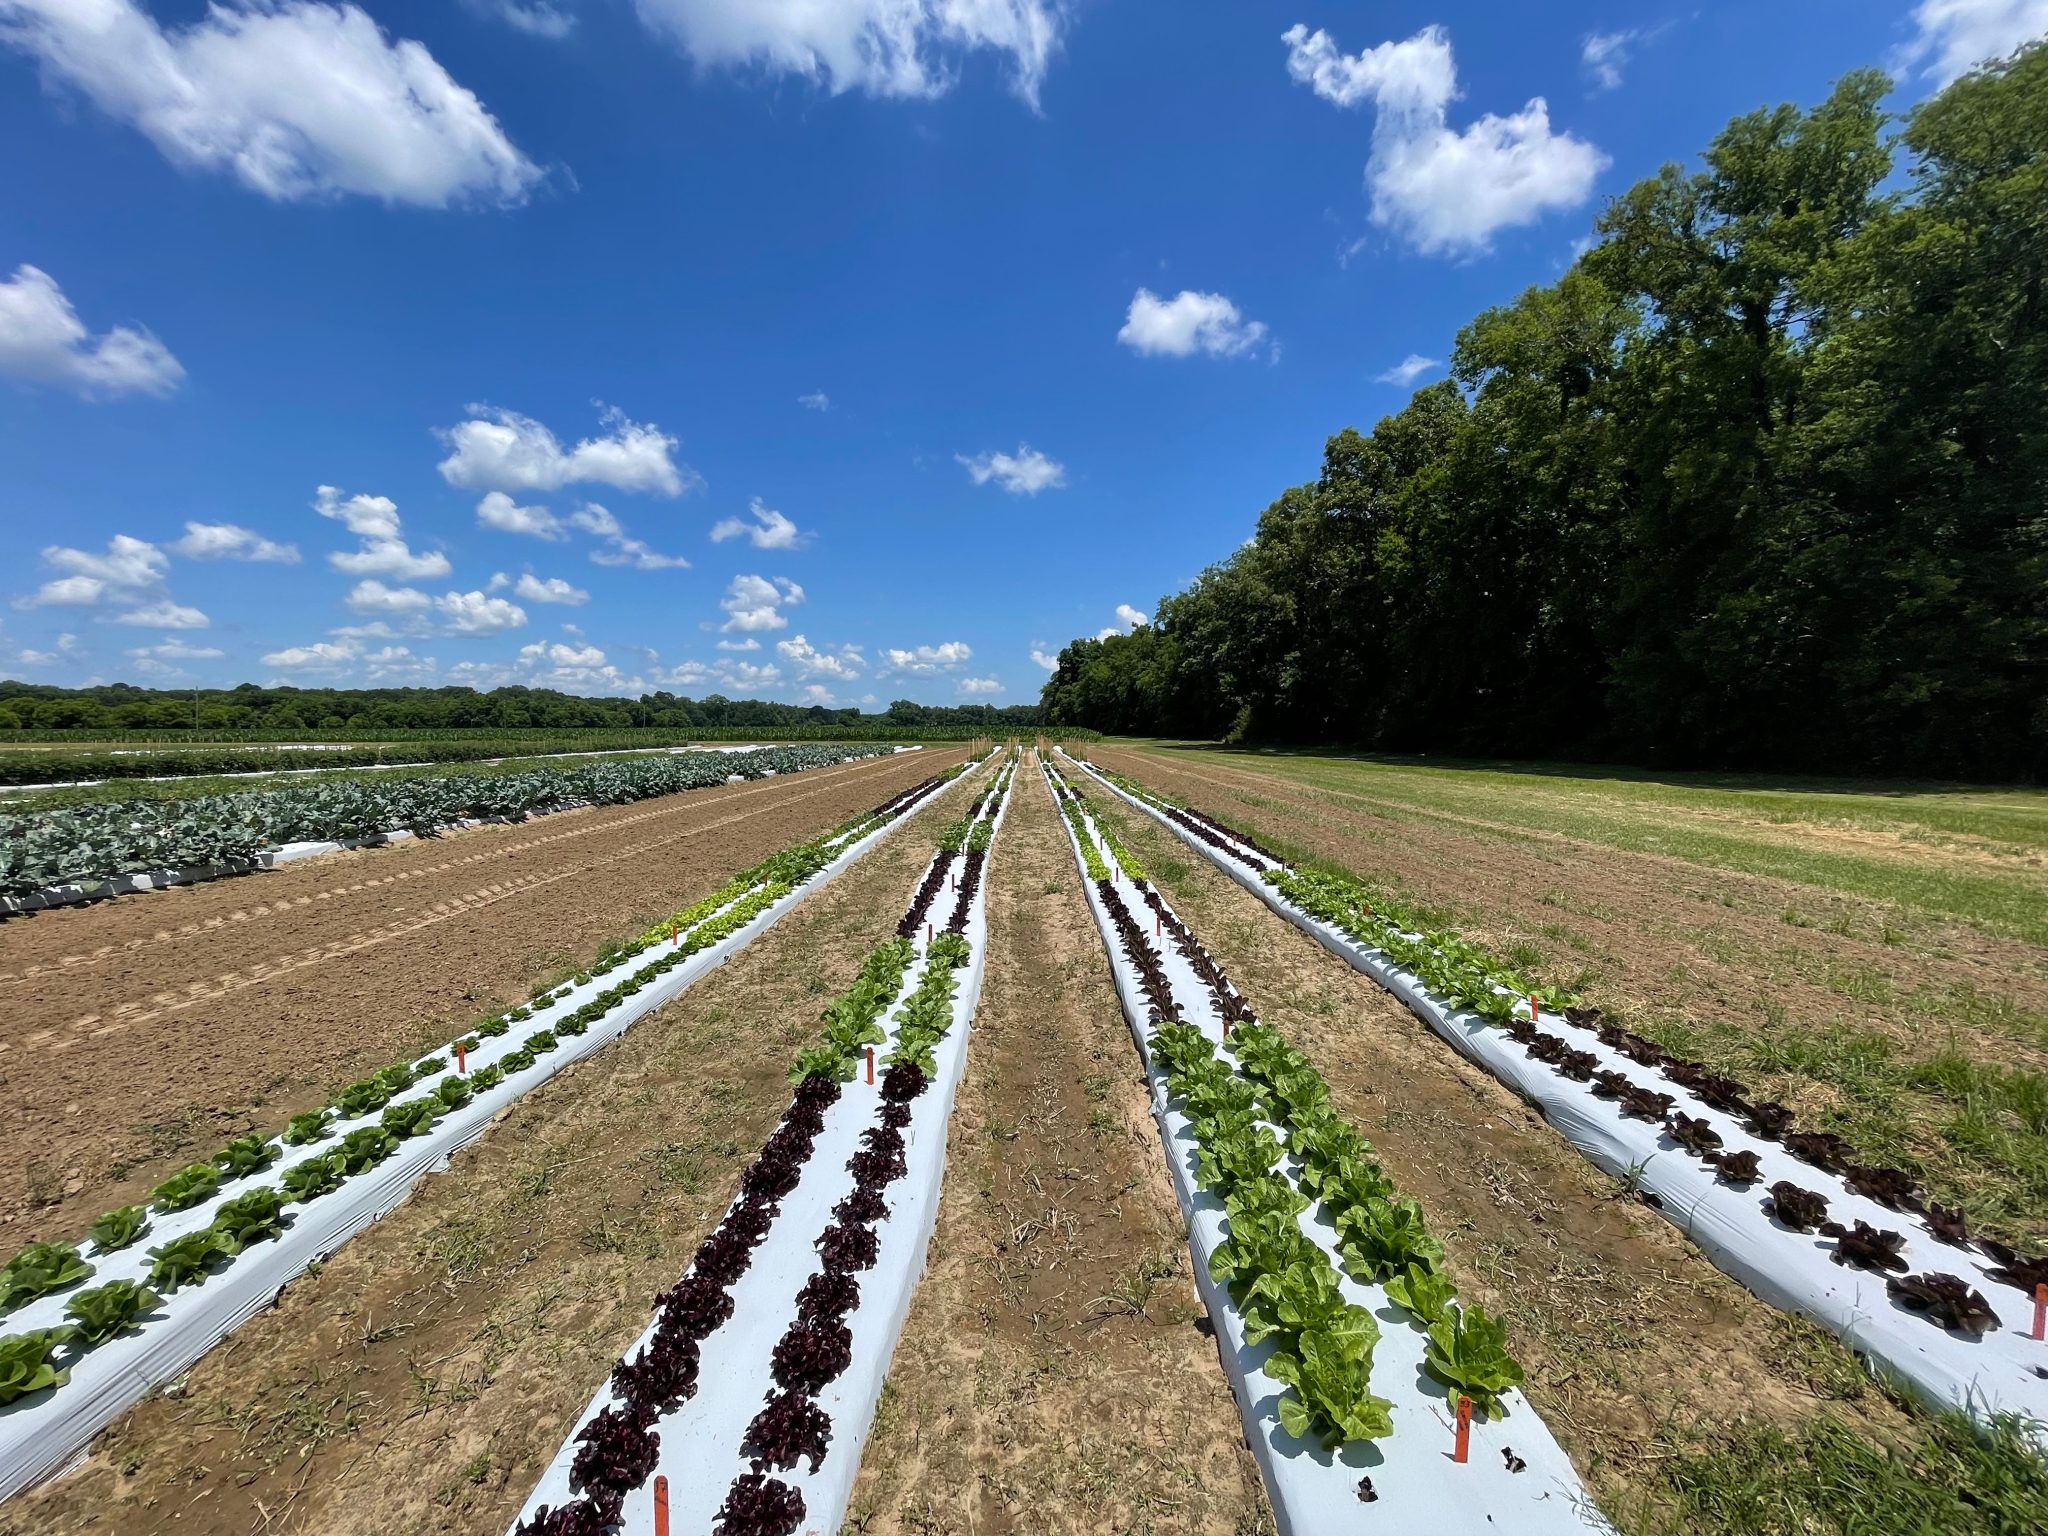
{"points": [[356, 711], [1762, 481]]}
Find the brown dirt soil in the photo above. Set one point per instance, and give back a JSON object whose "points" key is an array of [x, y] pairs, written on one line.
{"points": [[1631, 1339], [419, 1381], [1705, 959], [145, 1031], [1053, 1375]]}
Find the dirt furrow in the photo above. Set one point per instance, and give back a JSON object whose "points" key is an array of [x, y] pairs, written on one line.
{"points": [[417, 1382], [1056, 1373], [115, 1076]]}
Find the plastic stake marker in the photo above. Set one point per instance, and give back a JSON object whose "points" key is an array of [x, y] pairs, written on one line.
{"points": [[660, 1506], [1464, 1449], [871, 1064], [461, 1060], [2041, 1311], [1535, 1012]]}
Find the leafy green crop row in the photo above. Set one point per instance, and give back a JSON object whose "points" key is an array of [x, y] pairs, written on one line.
{"points": [[40, 1269], [1283, 1282], [86, 844]]}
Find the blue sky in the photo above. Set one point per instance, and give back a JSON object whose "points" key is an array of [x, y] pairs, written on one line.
{"points": [[844, 351]]}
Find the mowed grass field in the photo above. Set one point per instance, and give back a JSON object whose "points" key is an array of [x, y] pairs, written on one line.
{"points": [[1874, 955]]}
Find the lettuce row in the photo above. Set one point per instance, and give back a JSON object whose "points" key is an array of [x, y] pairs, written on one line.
{"points": [[257, 1215]]}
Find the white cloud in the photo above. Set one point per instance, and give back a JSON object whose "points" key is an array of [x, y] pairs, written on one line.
{"points": [[619, 548], [164, 614], [384, 552], [1024, 473], [473, 613], [536, 18], [1444, 190], [321, 656], [744, 674], [844, 663], [1408, 370], [43, 340], [769, 529], [818, 693], [502, 450], [1132, 617], [397, 664], [1954, 36], [499, 511], [294, 98], [929, 660], [903, 48], [1045, 659], [816, 400], [551, 590], [556, 654], [177, 650], [755, 603], [1603, 54], [980, 685], [225, 541], [748, 644], [372, 596], [128, 565], [1188, 323]]}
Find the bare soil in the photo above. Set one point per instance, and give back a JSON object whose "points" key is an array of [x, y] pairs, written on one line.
{"points": [[1631, 1339], [419, 1381], [143, 1032], [1056, 1373]]}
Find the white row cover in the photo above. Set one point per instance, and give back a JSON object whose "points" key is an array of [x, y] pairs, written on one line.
{"points": [[700, 1441], [2005, 1371], [40, 1432], [1316, 1492]]}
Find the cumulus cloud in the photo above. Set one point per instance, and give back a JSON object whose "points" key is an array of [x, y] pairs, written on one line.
{"points": [[748, 644], [131, 572], [1044, 658], [755, 603], [1446, 191], [458, 613], [1188, 323], [980, 685], [769, 529], [928, 660], [1023, 473], [816, 400], [552, 590], [900, 48], [474, 613], [499, 511], [536, 18], [293, 98], [1408, 370], [499, 450], [178, 650], [226, 541], [1132, 617], [372, 596], [619, 547], [321, 656], [43, 341], [844, 663], [1952, 37], [383, 551], [163, 614]]}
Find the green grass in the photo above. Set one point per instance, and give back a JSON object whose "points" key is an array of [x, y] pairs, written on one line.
{"points": [[1693, 818]]}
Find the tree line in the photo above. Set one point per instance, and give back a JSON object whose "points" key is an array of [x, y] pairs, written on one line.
{"points": [[1761, 481], [119, 707]]}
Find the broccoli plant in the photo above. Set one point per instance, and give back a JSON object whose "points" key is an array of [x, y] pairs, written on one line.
{"points": [[100, 1313], [118, 1228], [39, 1269], [187, 1187], [25, 1363]]}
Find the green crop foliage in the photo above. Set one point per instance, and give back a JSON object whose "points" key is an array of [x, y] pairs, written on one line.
{"points": [[245, 1155], [118, 1228], [25, 1364], [39, 1269], [187, 1187], [98, 1314]]}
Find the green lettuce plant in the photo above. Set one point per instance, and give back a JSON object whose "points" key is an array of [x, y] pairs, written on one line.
{"points": [[1468, 1352], [98, 1314], [187, 1187], [118, 1228], [255, 1217], [184, 1260], [25, 1363], [245, 1155], [39, 1269]]}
